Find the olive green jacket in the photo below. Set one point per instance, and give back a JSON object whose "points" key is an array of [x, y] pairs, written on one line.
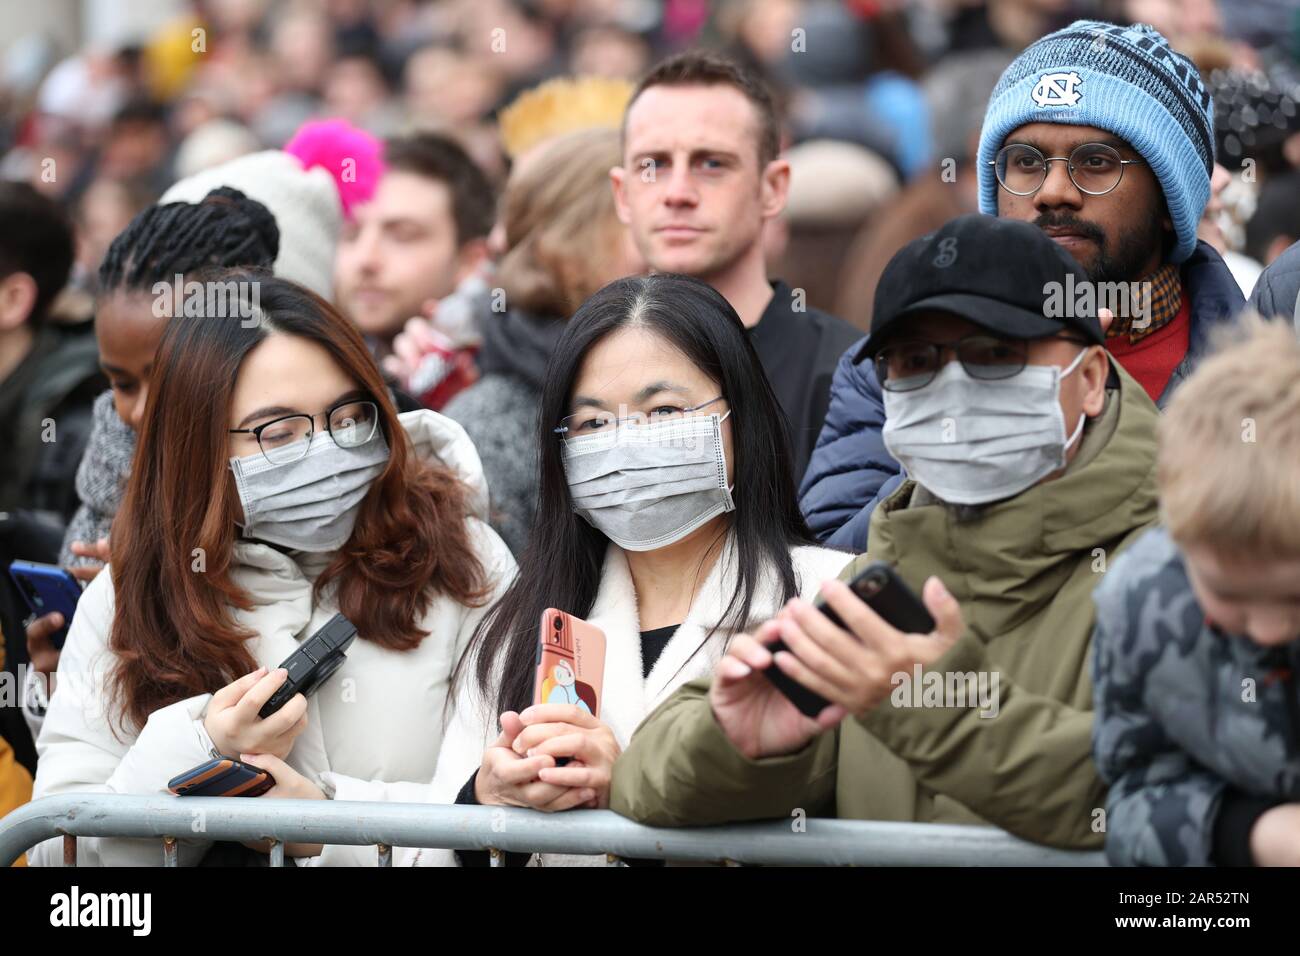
{"points": [[1023, 573]]}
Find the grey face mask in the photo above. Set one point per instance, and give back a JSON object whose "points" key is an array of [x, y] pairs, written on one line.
{"points": [[646, 486], [310, 504], [973, 441]]}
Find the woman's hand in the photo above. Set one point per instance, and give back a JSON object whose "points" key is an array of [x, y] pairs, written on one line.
{"points": [[506, 779], [99, 551], [289, 785], [234, 726], [565, 730]]}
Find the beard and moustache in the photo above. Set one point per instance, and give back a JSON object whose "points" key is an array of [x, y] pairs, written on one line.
{"points": [[1124, 259]]}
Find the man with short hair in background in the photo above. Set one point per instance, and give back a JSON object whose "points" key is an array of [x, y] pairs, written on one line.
{"points": [[701, 178], [422, 234]]}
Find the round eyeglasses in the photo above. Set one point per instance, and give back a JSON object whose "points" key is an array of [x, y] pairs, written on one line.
{"points": [[1094, 168], [283, 441], [596, 422], [907, 366]]}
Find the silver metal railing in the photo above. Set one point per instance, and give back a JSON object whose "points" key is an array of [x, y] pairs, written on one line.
{"points": [[500, 829]]}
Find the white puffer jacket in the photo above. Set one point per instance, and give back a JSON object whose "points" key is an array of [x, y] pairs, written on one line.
{"points": [[628, 698], [379, 716]]}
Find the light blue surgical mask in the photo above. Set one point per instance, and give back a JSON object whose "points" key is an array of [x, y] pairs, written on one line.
{"points": [[970, 441]]}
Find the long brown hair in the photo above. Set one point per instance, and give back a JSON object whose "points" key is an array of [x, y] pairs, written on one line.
{"points": [[174, 633]]}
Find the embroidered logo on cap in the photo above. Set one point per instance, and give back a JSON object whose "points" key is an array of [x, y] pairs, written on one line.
{"points": [[947, 253], [1057, 89]]}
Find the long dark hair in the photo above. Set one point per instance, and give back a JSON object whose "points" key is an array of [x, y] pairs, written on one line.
{"points": [[174, 634], [562, 565]]}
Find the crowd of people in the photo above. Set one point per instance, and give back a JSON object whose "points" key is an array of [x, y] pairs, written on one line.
{"points": [[684, 320]]}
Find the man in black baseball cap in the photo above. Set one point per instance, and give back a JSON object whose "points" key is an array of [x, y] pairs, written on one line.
{"points": [[990, 369], [993, 272], [1030, 457]]}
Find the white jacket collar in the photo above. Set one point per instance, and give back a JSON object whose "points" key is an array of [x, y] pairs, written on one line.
{"points": [[691, 652], [437, 438]]}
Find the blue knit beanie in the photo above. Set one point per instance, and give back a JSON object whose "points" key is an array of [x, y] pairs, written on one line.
{"points": [[1127, 81]]}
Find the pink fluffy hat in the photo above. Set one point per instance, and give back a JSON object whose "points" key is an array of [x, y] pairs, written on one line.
{"points": [[311, 187]]}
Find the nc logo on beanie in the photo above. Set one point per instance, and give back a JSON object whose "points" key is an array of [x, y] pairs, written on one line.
{"points": [[1122, 79], [1057, 89]]}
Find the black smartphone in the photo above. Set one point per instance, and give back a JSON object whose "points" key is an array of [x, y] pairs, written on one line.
{"points": [[46, 588], [313, 662], [221, 777], [885, 593]]}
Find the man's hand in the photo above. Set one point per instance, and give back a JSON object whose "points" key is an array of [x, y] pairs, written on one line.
{"points": [[855, 668], [757, 718]]}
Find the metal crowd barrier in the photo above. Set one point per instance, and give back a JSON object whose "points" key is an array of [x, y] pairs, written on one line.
{"points": [[498, 829]]}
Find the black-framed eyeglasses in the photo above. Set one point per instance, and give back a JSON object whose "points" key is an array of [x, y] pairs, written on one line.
{"points": [[282, 441], [1094, 168], [909, 365], [594, 423]]}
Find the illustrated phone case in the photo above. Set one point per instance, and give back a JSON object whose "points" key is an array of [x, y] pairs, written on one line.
{"points": [[570, 662], [221, 777]]}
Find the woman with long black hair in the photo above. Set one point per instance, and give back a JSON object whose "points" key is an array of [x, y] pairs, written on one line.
{"points": [[667, 518]]}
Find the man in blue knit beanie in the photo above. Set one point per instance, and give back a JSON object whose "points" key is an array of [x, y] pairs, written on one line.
{"points": [[1103, 136]]}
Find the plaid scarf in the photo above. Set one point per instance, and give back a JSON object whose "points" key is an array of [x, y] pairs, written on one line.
{"points": [[1163, 292]]}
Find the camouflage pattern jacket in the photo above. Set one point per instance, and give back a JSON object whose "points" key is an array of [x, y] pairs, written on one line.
{"points": [[1198, 732]]}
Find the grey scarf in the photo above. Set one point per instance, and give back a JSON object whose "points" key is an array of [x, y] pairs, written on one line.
{"points": [[101, 478]]}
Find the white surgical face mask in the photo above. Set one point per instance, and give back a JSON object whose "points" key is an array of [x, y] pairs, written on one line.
{"points": [[646, 486], [310, 504], [970, 441]]}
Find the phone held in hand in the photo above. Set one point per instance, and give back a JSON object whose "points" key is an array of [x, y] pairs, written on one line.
{"points": [[313, 662], [570, 664], [880, 587], [47, 588], [221, 777]]}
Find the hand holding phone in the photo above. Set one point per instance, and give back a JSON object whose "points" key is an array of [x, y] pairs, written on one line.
{"points": [[570, 664], [880, 587], [233, 723], [45, 589]]}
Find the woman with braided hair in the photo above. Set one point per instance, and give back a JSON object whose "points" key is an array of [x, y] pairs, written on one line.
{"points": [[168, 240]]}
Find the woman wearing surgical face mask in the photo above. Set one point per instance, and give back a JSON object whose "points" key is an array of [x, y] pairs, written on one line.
{"points": [[667, 518], [273, 485]]}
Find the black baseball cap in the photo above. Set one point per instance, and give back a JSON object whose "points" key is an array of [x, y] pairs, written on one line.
{"points": [[990, 271]]}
